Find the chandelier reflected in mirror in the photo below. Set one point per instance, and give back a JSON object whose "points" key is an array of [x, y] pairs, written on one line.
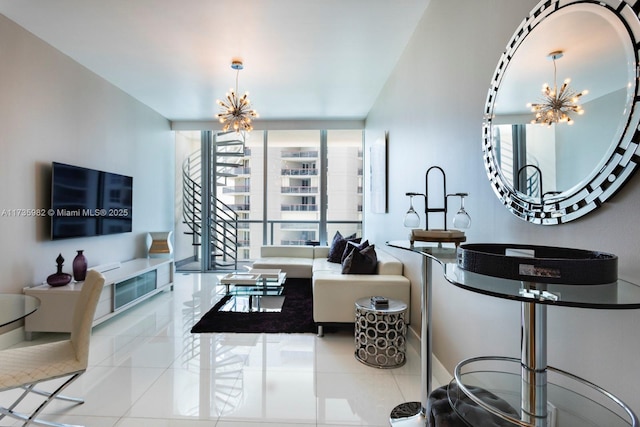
{"points": [[235, 111], [557, 104]]}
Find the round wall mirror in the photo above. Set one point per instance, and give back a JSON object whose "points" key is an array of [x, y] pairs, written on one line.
{"points": [[560, 134]]}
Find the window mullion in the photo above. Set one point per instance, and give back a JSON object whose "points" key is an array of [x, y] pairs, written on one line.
{"points": [[322, 227]]}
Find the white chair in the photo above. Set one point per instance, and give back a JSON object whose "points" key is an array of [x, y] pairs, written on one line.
{"points": [[25, 367]]}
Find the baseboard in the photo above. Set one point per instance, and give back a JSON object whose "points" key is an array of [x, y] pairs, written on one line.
{"points": [[185, 261], [440, 374], [11, 338]]}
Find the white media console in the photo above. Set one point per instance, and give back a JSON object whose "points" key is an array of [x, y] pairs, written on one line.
{"points": [[126, 284]]}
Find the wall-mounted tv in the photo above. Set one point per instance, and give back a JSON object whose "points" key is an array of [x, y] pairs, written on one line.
{"points": [[87, 202]]}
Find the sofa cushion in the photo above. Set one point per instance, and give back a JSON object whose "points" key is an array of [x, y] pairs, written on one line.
{"points": [[388, 264], [323, 264], [337, 246], [334, 295], [321, 252], [290, 251], [361, 262], [300, 268]]}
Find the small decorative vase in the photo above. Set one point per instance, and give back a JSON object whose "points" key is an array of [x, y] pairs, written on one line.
{"points": [[59, 278], [79, 267]]}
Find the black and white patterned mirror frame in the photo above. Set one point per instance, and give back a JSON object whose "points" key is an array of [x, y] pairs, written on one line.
{"points": [[623, 158]]}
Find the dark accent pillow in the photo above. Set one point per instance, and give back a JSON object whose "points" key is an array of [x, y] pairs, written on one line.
{"points": [[337, 246], [353, 245], [361, 262]]}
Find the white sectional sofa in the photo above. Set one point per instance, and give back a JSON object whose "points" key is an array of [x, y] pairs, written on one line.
{"points": [[334, 293]]}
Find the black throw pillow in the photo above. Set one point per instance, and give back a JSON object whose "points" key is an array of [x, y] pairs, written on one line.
{"points": [[337, 246], [351, 246], [361, 262]]}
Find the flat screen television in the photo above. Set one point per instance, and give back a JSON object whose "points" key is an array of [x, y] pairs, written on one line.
{"points": [[87, 202]]}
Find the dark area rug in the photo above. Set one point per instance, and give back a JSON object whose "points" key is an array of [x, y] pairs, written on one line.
{"points": [[296, 315]]}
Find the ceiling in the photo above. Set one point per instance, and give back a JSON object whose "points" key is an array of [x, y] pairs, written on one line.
{"points": [[303, 60]]}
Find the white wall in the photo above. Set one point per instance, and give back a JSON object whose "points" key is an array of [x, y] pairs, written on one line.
{"points": [[53, 109], [187, 143], [583, 146], [432, 107]]}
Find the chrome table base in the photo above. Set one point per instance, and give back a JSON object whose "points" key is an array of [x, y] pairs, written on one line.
{"points": [[413, 413], [409, 414]]}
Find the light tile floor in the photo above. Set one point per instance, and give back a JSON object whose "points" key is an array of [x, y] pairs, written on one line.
{"points": [[146, 369]]}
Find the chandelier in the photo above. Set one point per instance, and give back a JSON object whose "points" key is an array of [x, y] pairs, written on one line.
{"points": [[235, 111], [557, 104]]}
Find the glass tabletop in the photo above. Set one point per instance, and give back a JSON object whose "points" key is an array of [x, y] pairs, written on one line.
{"points": [[617, 295], [440, 253], [14, 307], [393, 306], [240, 290]]}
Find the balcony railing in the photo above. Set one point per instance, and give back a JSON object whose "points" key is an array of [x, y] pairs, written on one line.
{"points": [[299, 154], [239, 207], [294, 242], [291, 225], [299, 226], [298, 208], [236, 189], [299, 171], [298, 189], [242, 171]]}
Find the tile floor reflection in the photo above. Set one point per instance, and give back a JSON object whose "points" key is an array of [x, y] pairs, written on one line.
{"points": [[147, 369]]}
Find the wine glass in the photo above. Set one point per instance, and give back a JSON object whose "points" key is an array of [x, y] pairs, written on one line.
{"points": [[411, 218], [461, 220]]}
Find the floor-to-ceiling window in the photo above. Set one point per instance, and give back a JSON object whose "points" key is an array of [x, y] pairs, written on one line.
{"points": [[292, 187], [247, 188], [344, 182]]}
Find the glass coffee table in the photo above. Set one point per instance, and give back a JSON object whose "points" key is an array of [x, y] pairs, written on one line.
{"points": [[257, 290]]}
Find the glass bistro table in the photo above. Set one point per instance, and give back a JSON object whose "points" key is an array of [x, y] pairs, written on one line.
{"points": [[14, 307], [543, 396]]}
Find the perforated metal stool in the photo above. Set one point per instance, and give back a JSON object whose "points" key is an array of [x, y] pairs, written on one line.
{"points": [[380, 334]]}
